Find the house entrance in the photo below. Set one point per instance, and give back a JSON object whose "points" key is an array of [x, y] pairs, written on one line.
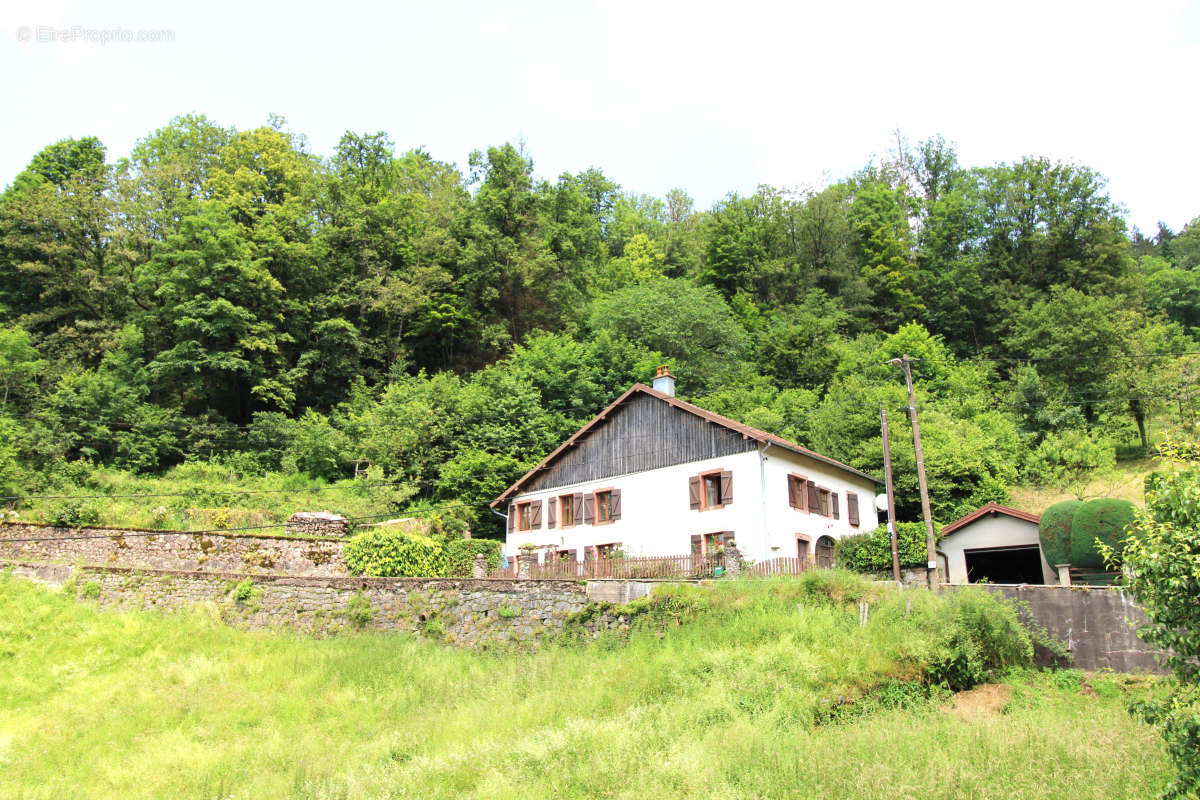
{"points": [[825, 552], [1022, 564]]}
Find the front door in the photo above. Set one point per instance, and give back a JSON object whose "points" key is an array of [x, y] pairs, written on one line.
{"points": [[825, 552]]}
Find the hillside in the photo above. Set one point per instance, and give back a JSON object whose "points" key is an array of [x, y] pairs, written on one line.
{"points": [[771, 690], [230, 299]]}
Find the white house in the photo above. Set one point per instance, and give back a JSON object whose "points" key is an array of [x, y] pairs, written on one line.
{"points": [[998, 543], [652, 475]]}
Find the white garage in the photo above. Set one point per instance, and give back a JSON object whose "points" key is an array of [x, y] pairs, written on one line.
{"points": [[997, 544]]}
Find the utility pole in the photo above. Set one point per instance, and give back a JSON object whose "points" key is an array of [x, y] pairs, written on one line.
{"points": [[931, 568], [891, 495]]}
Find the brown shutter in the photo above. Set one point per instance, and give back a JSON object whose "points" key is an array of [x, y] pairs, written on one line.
{"points": [[814, 499], [833, 499], [697, 545], [793, 493], [852, 508], [577, 508], [726, 488], [694, 491], [551, 512], [615, 504], [512, 517], [535, 516], [588, 509]]}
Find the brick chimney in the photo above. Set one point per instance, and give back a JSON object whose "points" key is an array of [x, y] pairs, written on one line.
{"points": [[664, 381]]}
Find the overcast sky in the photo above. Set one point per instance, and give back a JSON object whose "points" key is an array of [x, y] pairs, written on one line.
{"points": [[711, 98]]}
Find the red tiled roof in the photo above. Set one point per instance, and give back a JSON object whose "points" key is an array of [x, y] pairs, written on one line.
{"points": [[990, 508], [734, 425]]}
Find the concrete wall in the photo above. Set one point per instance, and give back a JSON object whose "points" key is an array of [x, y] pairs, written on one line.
{"points": [[458, 611], [1098, 625], [656, 519], [216, 552], [992, 530]]}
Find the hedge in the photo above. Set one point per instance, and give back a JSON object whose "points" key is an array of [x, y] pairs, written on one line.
{"points": [[460, 555], [394, 553], [1105, 519], [872, 551], [1054, 531]]}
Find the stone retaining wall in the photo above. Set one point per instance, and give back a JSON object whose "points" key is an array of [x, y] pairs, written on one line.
{"points": [[215, 552], [459, 611]]}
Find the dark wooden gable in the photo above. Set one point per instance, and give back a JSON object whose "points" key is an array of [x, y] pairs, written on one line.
{"points": [[642, 433]]}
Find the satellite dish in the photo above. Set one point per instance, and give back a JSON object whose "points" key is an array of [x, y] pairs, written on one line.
{"points": [[881, 502]]}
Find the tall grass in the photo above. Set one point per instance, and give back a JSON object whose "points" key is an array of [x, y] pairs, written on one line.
{"points": [[713, 697]]}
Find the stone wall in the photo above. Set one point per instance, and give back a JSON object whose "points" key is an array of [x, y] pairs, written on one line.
{"points": [[212, 552], [321, 524], [458, 611], [1098, 625]]}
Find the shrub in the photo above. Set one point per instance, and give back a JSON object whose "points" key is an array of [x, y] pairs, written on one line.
{"points": [[872, 551], [1162, 565], [460, 555], [359, 610], [74, 514], [91, 590], [1105, 520], [394, 553], [980, 636], [1054, 531]]}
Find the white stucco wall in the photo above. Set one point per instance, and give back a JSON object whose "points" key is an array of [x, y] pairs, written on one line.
{"points": [[656, 519], [991, 530]]}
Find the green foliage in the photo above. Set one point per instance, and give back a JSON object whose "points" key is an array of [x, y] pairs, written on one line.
{"points": [[507, 612], [1054, 531], [1068, 459], [1103, 520], [90, 590], [391, 552], [871, 551], [359, 610], [1162, 570], [732, 695], [244, 590], [460, 555], [74, 514]]}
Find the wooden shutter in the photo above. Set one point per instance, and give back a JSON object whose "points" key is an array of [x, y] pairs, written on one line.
{"points": [[726, 488], [589, 509], [551, 512], [694, 491], [793, 492], [615, 504], [852, 508], [535, 516], [577, 508], [814, 499], [833, 502], [697, 545], [513, 511]]}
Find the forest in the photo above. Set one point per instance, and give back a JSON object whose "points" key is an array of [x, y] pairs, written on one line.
{"points": [[230, 297]]}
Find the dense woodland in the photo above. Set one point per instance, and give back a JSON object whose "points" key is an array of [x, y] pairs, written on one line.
{"points": [[230, 296]]}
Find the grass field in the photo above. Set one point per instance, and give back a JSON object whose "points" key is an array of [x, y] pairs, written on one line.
{"points": [[100, 703]]}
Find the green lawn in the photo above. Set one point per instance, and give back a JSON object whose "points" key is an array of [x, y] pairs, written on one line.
{"points": [[101, 703]]}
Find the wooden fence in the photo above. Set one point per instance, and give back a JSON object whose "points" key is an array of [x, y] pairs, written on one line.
{"points": [[685, 566]]}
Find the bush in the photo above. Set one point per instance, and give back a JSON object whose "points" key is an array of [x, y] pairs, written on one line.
{"points": [[74, 514], [1054, 531], [394, 553], [1105, 520], [980, 637], [1162, 563], [460, 555], [872, 552]]}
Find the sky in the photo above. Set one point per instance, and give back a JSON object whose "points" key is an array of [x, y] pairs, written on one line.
{"points": [[707, 97]]}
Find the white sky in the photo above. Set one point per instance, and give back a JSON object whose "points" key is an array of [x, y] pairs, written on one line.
{"points": [[709, 97]]}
